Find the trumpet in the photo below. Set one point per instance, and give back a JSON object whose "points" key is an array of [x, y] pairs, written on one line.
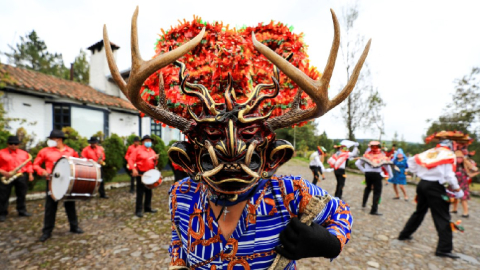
{"points": [[15, 174]]}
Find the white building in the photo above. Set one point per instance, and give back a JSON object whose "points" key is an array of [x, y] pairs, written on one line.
{"points": [[47, 102]]}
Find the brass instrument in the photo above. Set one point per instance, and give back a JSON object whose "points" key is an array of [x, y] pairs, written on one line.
{"points": [[15, 174]]}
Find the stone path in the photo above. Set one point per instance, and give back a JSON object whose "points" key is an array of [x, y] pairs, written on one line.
{"points": [[115, 239]]}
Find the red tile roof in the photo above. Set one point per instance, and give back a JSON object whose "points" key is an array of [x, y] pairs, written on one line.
{"points": [[36, 81]]}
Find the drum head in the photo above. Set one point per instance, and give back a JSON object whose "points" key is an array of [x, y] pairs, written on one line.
{"points": [[60, 179], [151, 176]]}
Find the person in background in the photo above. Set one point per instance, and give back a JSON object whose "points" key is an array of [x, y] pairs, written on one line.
{"points": [[10, 158], [316, 164], [373, 163], [96, 153], [48, 156], [399, 176], [146, 159], [130, 150], [462, 179], [435, 167], [338, 162]]}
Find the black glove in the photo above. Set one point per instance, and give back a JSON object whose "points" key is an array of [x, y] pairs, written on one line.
{"points": [[302, 241]]}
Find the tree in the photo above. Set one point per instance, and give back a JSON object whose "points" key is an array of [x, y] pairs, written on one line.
{"points": [[161, 150], [114, 153], [81, 68], [362, 109], [31, 53]]}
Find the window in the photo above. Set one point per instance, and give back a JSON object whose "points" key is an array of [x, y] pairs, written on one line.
{"points": [[156, 128], [61, 116], [106, 124]]}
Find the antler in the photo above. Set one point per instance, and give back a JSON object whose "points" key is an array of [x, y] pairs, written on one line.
{"points": [[141, 70], [317, 90]]}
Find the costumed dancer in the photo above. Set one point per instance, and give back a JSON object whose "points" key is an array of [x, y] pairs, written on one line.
{"points": [[462, 178], [316, 164], [436, 168], [16, 169], [338, 162], [130, 150], [146, 159], [399, 174], [373, 163], [48, 156], [96, 153], [232, 211], [391, 153]]}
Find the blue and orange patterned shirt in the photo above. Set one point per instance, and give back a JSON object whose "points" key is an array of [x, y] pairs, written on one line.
{"points": [[201, 244]]}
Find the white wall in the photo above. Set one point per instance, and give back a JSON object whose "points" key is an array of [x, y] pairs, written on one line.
{"points": [[33, 109], [86, 121], [123, 124], [146, 126], [98, 73]]}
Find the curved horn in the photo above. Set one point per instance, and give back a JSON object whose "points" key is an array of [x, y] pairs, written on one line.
{"points": [[141, 70], [317, 90]]}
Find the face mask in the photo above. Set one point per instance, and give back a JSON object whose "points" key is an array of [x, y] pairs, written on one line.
{"points": [[51, 143], [148, 144]]}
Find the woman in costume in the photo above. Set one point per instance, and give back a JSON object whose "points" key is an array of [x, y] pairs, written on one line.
{"points": [[399, 175], [233, 212], [316, 164], [462, 178]]}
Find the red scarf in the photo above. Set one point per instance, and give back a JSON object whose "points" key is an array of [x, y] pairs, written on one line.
{"points": [[337, 160]]}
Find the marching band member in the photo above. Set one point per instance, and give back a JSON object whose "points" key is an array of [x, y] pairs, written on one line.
{"points": [[11, 158], [130, 150], [338, 162], [96, 153], [372, 163], [435, 167], [146, 159], [48, 156], [316, 164]]}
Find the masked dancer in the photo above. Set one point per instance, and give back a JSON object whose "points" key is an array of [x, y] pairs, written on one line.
{"points": [[233, 212], [338, 161], [16, 169], [373, 163], [436, 168], [48, 156]]}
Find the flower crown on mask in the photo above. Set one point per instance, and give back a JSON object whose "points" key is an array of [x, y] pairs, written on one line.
{"points": [[228, 107]]}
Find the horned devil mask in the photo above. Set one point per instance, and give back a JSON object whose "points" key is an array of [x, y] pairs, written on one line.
{"points": [[232, 144]]}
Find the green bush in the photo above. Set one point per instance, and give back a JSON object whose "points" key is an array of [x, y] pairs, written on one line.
{"points": [[3, 138], [130, 139], [114, 156], [74, 140], [159, 148]]}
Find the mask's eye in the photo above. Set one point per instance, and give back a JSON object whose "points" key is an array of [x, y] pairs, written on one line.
{"points": [[213, 133], [248, 133]]}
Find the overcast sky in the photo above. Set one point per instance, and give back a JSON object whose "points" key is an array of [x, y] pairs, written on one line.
{"points": [[419, 47]]}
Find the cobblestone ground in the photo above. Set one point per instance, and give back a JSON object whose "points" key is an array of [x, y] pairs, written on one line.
{"points": [[114, 238]]}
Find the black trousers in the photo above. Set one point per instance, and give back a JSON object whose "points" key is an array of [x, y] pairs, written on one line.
{"points": [[51, 213], [21, 188], [340, 175], [430, 195], [132, 183], [317, 172], [373, 179], [101, 188], [141, 205]]}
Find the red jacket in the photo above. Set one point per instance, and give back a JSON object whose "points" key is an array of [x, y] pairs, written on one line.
{"points": [[50, 155], [144, 158], [130, 150], [9, 160], [93, 154]]}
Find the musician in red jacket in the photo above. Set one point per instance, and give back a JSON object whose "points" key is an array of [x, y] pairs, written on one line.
{"points": [[96, 153], [48, 156], [130, 150], [146, 159], [11, 158]]}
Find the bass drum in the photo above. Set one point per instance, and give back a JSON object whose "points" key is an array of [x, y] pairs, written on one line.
{"points": [[74, 179], [152, 178]]}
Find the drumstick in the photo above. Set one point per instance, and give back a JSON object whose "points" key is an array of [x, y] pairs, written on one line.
{"points": [[314, 207]]}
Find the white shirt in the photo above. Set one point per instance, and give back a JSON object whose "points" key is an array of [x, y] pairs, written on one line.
{"points": [[365, 167], [442, 173], [315, 161], [354, 153]]}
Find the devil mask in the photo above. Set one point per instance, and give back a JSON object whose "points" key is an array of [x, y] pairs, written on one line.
{"points": [[231, 145]]}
